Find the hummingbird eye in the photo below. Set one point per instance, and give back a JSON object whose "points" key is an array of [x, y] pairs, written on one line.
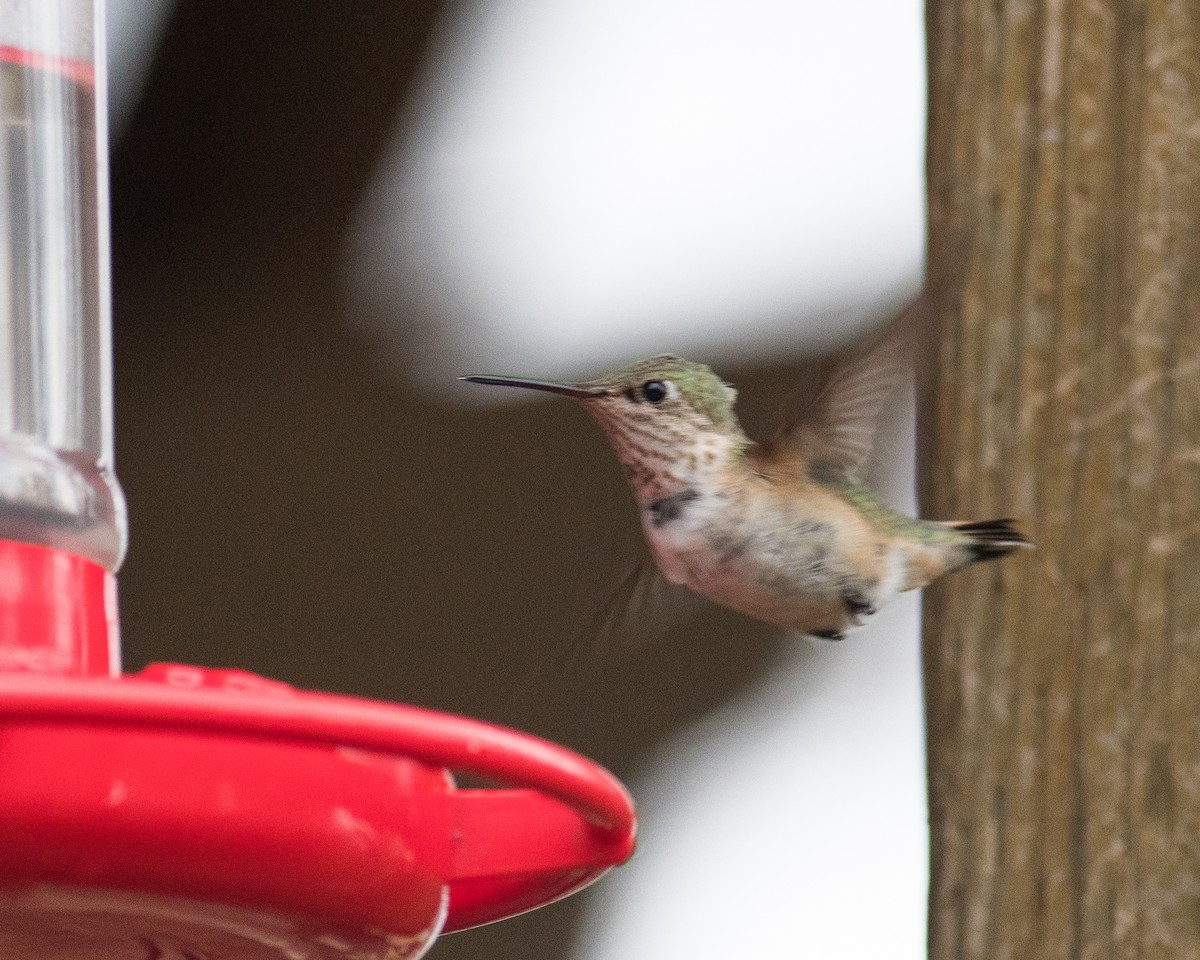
{"points": [[655, 391]]}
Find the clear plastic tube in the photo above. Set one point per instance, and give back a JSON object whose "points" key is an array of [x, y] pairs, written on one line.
{"points": [[57, 485]]}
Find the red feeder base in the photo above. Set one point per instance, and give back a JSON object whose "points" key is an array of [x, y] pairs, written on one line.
{"points": [[217, 813]]}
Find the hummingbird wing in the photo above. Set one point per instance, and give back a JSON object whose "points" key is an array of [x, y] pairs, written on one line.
{"points": [[642, 607], [833, 432]]}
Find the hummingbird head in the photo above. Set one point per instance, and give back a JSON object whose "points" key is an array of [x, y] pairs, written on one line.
{"points": [[666, 417]]}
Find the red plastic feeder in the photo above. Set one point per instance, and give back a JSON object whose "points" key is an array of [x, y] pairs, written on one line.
{"points": [[218, 812], [182, 811]]}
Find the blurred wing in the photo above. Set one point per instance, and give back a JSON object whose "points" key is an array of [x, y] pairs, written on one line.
{"points": [[642, 607], [834, 433]]}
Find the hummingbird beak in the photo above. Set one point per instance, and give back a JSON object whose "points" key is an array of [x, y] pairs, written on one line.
{"points": [[572, 390]]}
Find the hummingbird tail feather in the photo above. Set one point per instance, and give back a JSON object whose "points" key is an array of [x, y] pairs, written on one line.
{"points": [[989, 539]]}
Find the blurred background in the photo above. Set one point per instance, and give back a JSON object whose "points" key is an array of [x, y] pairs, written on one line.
{"points": [[324, 214]]}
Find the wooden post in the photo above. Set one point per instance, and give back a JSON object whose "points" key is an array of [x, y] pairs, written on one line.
{"points": [[1063, 686]]}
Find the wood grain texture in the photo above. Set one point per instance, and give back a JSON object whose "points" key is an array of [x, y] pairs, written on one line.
{"points": [[1063, 686]]}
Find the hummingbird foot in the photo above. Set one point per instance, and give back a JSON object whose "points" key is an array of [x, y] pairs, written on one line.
{"points": [[833, 635], [858, 606]]}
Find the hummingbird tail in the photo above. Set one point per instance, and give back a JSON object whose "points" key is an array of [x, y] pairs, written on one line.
{"points": [[989, 539]]}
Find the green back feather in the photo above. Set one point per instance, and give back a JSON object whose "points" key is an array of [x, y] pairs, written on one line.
{"points": [[887, 520]]}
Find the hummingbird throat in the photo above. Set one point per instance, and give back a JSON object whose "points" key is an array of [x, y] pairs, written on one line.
{"points": [[669, 469]]}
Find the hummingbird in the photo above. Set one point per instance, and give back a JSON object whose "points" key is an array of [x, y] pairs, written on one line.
{"points": [[784, 531]]}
